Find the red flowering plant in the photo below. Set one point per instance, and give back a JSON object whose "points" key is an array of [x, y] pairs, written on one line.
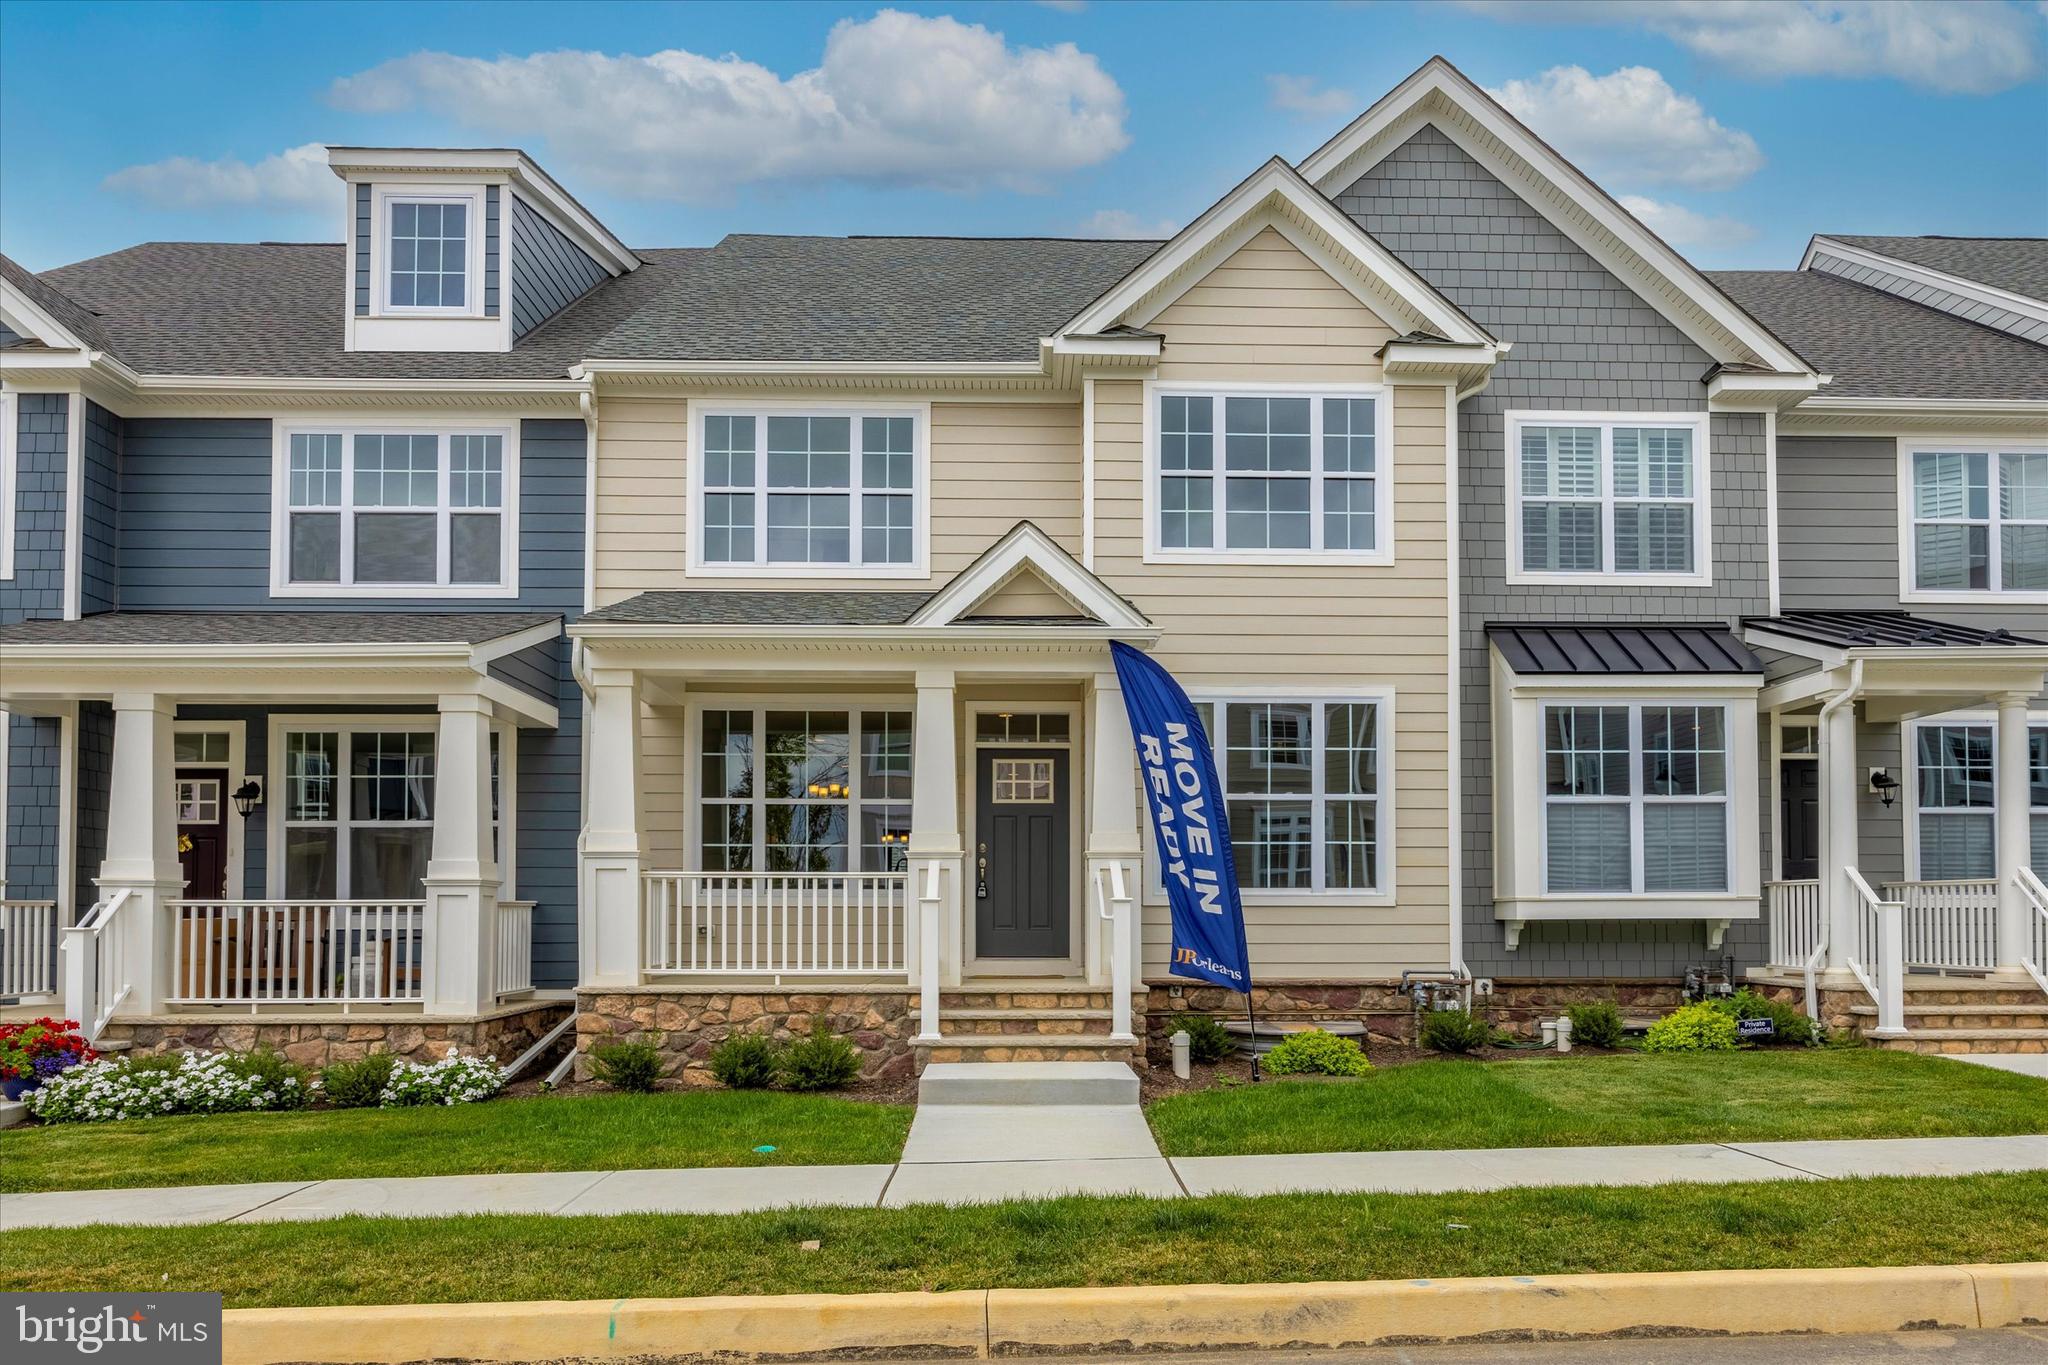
{"points": [[32, 1052]]}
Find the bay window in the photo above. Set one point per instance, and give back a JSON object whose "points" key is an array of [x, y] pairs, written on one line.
{"points": [[1620, 496], [1268, 471], [1302, 785], [781, 490], [795, 790], [394, 512], [1978, 520], [1635, 798]]}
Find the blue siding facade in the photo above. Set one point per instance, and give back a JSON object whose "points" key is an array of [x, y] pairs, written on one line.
{"points": [[42, 440], [99, 522], [362, 261], [549, 272], [33, 749], [491, 251]]}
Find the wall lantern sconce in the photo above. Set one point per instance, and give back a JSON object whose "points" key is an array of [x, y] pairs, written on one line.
{"points": [[1885, 785], [248, 796]]}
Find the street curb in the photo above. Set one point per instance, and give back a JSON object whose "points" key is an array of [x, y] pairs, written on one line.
{"points": [[980, 1323]]}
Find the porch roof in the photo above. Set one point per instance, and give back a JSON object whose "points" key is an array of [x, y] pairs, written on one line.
{"points": [[1882, 630], [722, 607], [1581, 648], [174, 628]]}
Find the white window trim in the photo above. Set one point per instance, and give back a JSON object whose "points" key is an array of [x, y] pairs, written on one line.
{"points": [[382, 197], [1383, 471], [1701, 426], [920, 413], [280, 511], [10, 466], [1384, 895], [1909, 764], [1908, 547], [758, 705], [275, 795], [1638, 798]]}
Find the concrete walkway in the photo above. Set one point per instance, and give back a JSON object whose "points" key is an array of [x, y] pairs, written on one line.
{"points": [[2020, 1063], [920, 1178]]}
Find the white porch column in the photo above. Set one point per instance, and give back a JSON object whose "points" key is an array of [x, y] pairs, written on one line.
{"points": [[1839, 842], [1113, 838], [142, 847], [610, 850], [935, 832], [462, 877], [2015, 829]]}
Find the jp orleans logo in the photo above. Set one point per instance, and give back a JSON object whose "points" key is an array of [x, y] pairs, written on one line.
{"points": [[166, 1328]]}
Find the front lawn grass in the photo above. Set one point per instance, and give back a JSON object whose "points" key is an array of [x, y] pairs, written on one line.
{"points": [[1558, 1101], [1075, 1241], [538, 1133]]}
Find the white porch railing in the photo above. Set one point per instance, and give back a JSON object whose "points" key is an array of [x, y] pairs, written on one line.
{"points": [[1949, 924], [775, 923], [96, 978], [2034, 956], [1878, 956], [515, 948], [1792, 913], [28, 949], [297, 952]]}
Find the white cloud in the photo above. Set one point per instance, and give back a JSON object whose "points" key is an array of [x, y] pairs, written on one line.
{"points": [[1122, 223], [1300, 95], [898, 98], [296, 178], [1682, 226], [1631, 126], [1968, 49]]}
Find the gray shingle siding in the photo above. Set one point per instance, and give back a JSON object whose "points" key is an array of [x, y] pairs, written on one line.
{"points": [[100, 518], [491, 249], [32, 783], [36, 591], [1948, 301], [362, 261], [549, 272], [1582, 340]]}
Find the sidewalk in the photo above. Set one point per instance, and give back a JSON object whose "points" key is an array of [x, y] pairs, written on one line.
{"points": [[952, 1181]]}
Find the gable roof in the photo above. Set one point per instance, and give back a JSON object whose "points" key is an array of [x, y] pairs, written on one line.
{"points": [[1277, 196], [1440, 94], [2018, 265], [1024, 548], [1877, 345], [45, 297]]}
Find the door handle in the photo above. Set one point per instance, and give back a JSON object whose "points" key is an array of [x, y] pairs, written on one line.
{"points": [[981, 872]]}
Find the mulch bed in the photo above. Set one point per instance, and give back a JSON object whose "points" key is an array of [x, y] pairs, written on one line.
{"points": [[1158, 1081]]}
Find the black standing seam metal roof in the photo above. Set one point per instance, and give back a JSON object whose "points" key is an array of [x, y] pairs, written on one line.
{"points": [[1881, 630], [1579, 648]]}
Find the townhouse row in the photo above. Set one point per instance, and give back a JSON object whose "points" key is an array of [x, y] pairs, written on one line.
{"points": [[409, 641]]}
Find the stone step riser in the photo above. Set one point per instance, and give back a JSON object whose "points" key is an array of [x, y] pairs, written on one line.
{"points": [[1024, 1000], [2017, 999], [1048, 1051], [1021, 1028], [1937, 1018]]}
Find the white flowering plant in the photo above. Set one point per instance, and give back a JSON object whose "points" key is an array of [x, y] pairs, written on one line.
{"points": [[150, 1087], [455, 1079]]}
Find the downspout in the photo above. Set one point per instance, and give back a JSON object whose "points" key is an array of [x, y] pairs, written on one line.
{"points": [[1846, 697]]}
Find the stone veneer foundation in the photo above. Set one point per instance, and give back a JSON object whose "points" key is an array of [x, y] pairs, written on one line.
{"points": [[316, 1040], [687, 1022]]}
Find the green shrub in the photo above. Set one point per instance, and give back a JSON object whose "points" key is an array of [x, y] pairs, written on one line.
{"points": [[744, 1061], [1596, 1024], [1313, 1050], [1792, 1028], [1693, 1028], [290, 1082], [823, 1061], [1208, 1041], [626, 1066], [1454, 1031], [359, 1084]]}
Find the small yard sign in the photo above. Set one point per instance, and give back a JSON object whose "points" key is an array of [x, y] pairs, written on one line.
{"points": [[1755, 1028]]}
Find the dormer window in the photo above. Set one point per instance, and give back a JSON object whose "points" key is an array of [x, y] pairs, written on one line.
{"points": [[429, 252]]}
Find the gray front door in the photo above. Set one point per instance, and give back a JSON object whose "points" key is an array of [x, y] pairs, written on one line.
{"points": [[1022, 879]]}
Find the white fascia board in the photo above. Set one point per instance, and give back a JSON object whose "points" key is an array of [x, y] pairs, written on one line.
{"points": [[981, 369], [1024, 547], [1761, 392], [859, 638], [490, 651], [2036, 309], [19, 307], [1439, 78], [1146, 348], [1275, 179]]}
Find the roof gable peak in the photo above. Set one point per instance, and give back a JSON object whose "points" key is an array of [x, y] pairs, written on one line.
{"points": [[1024, 550]]}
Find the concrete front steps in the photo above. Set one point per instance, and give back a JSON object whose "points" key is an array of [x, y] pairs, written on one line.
{"points": [[1027, 1023], [1028, 1083], [1957, 1015]]}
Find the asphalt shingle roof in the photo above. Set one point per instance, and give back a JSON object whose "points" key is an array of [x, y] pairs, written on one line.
{"points": [[717, 607], [52, 300], [1577, 649], [2018, 265], [1889, 629], [1877, 345], [276, 628]]}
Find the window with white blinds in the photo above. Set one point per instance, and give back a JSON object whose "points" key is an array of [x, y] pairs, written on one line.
{"points": [[1616, 496], [1635, 798]]}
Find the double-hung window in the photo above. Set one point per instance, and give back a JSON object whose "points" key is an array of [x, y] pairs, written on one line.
{"points": [[1270, 472], [398, 511], [1303, 792], [431, 252], [804, 790], [1977, 520], [789, 492], [1635, 798], [1620, 496]]}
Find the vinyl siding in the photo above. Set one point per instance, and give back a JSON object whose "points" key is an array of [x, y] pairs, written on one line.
{"points": [[549, 272], [364, 227], [99, 523], [1582, 340]]}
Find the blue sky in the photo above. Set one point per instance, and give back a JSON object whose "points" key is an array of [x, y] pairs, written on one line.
{"points": [[1736, 129]]}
